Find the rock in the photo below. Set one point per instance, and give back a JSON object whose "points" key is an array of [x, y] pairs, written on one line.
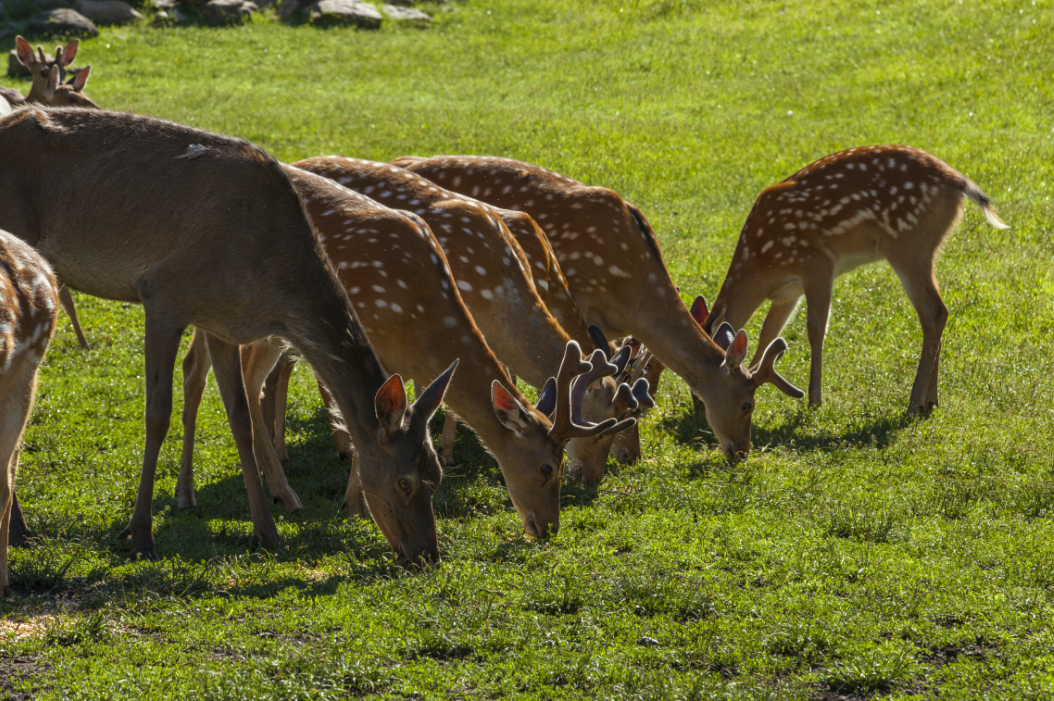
{"points": [[227, 11], [360, 14], [161, 17], [52, 4], [287, 9], [406, 14], [179, 16], [107, 11], [62, 22], [166, 4], [14, 66], [648, 642]]}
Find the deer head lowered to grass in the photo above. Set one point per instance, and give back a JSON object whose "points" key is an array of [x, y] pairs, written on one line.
{"points": [[209, 213], [611, 259], [400, 283], [850, 208], [28, 306], [494, 281]]}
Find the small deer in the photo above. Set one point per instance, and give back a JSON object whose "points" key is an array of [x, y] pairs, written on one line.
{"points": [[208, 214], [892, 203], [493, 280], [70, 94], [611, 259], [28, 306], [399, 280]]}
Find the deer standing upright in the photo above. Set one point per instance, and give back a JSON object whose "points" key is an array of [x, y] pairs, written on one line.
{"points": [[845, 210], [209, 213], [495, 283], [399, 281], [28, 305], [611, 259]]}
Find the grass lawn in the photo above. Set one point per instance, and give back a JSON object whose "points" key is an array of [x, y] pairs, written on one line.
{"points": [[856, 554]]}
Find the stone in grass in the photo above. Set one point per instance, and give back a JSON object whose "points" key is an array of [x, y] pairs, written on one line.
{"points": [[406, 14], [107, 11], [62, 22], [219, 12], [359, 14], [288, 8], [14, 66]]}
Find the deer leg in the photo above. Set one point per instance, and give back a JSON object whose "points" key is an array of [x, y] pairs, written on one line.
{"points": [[921, 287], [226, 365], [267, 401], [779, 312], [818, 299], [162, 346], [71, 311], [257, 362], [196, 366], [14, 411], [285, 371], [446, 442], [340, 435], [19, 533], [354, 497]]}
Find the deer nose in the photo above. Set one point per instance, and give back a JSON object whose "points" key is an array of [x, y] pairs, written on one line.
{"points": [[543, 530]]}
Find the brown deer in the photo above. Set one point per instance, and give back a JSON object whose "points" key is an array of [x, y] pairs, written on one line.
{"points": [[400, 282], [611, 259], [208, 215], [495, 283], [892, 203], [51, 73], [28, 305]]}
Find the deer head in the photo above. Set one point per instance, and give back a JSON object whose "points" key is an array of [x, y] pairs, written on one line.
{"points": [[40, 67], [70, 94]]}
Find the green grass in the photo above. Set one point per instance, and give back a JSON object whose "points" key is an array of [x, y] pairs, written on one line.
{"points": [[855, 554]]}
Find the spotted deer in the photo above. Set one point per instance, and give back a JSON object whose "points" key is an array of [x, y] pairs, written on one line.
{"points": [[854, 207], [400, 283], [496, 284], [611, 259], [47, 89], [209, 213], [28, 305]]}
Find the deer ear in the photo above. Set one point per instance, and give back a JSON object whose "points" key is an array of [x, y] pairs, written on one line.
{"points": [[69, 53], [621, 359], [546, 403], [24, 52], [81, 79], [699, 311], [510, 412], [52, 84], [724, 335], [737, 351], [390, 404], [601, 342], [432, 397]]}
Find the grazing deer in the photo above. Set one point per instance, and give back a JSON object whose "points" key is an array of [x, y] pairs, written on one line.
{"points": [[205, 215], [48, 90], [28, 305], [495, 283], [399, 280], [611, 259], [850, 208]]}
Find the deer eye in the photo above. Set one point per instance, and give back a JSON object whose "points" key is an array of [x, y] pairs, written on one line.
{"points": [[404, 484], [547, 470], [747, 406]]}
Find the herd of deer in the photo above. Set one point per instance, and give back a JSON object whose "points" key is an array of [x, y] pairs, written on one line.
{"points": [[421, 266]]}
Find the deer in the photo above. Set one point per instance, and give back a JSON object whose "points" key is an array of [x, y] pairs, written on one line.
{"points": [[47, 90], [496, 284], [209, 213], [848, 209], [611, 259], [400, 283], [28, 308]]}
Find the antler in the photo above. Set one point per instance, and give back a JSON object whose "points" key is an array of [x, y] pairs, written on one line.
{"points": [[765, 370], [567, 419]]}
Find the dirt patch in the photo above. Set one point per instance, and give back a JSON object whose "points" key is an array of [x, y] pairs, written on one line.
{"points": [[18, 669], [948, 654]]}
